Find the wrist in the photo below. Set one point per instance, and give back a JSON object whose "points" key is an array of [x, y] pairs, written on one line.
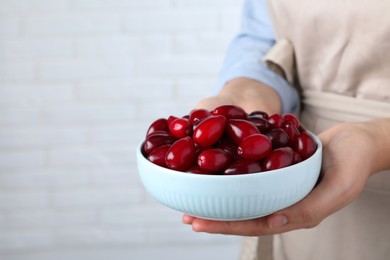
{"points": [[380, 136], [251, 95]]}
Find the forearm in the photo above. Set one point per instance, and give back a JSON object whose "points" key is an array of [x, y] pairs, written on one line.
{"points": [[245, 80], [250, 94]]}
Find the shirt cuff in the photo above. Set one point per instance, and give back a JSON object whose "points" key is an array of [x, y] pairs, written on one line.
{"points": [[288, 94]]}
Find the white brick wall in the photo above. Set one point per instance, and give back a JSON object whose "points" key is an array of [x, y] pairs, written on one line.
{"points": [[80, 81]]}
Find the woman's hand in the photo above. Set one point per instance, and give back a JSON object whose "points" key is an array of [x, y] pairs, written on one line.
{"points": [[350, 156]]}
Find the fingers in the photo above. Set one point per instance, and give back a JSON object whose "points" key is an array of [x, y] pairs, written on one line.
{"points": [[220, 227], [187, 219], [310, 211], [252, 227], [341, 182], [325, 199], [330, 195]]}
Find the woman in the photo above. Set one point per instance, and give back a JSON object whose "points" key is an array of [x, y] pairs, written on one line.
{"points": [[336, 55]]}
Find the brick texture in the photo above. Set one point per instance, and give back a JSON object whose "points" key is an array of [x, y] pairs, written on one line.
{"points": [[80, 81]]}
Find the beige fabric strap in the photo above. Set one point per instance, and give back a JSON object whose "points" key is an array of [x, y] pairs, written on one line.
{"points": [[344, 108], [280, 59], [257, 248], [265, 248]]}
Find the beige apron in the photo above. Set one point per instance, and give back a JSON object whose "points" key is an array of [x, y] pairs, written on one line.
{"points": [[337, 53]]}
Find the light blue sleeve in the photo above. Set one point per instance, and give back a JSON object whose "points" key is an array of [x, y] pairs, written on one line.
{"points": [[245, 53]]}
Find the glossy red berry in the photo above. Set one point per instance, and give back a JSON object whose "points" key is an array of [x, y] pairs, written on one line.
{"points": [[262, 124], [228, 146], [279, 158], [278, 137], [292, 131], [227, 141], [259, 113], [197, 115], [160, 124], [181, 155], [305, 145], [180, 127], [209, 130], [238, 129], [171, 119], [230, 112], [196, 169], [255, 147], [158, 155], [159, 132], [200, 149], [296, 157], [155, 141], [243, 166], [214, 160], [291, 118], [276, 121]]}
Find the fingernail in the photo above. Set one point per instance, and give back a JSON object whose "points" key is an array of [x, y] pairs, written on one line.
{"points": [[278, 221]]}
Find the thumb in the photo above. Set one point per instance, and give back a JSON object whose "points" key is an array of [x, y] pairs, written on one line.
{"points": [[326, 198]]}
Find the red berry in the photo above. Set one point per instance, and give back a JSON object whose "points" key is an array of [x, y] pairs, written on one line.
{"points": [[296, 157], [291, 118], [200, 149], [197, 115], [255, 147], [305, 145], [158, 132], [279, 158], [171, 119], [276, 121], [180, 127], [155, 141], [160, 124], [258, 113], [292, 131], [243, 166], [238, 129], [181, 154], [209, 130], [262, 124], [158, 155], [230, 112], [228, 146], [227, 140], [196, 169], [213, 160], [278, 137]]}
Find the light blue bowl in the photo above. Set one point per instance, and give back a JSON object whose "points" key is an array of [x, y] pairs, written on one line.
{"points": [[235, 197]]}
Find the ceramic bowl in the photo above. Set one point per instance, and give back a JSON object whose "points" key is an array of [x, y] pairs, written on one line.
{"points": [[233, 197]]}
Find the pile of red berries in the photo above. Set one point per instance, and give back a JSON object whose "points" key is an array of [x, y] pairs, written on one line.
{"points": [[227, 141]]}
